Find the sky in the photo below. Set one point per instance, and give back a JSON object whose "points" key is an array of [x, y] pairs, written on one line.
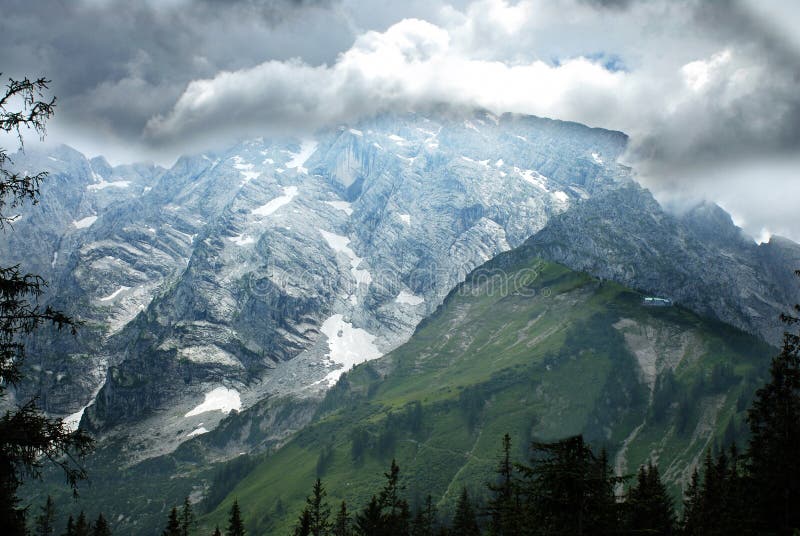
{"points": [[708, 91]]}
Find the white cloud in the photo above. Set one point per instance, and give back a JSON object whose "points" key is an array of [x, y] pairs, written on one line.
{"points": [[697, 85], [413, 63]]}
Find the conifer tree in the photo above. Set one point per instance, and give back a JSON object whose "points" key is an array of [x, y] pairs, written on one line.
{"points": [[464, 521], [773, 451], [424, 522], [303, 525], [567, 489], [187, 518], [217, 532], [173, 524], [370, 520], [503, 507], [44, 521], [70, 530], [235, 523], [81, 525], [692, 509], [649, 506], [395, 511], [341, 525], [28, 438], [100, 527], [316, 514], [387, 513]]}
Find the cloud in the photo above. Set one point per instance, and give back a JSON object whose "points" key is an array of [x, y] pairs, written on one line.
{"points": [[735, 98], [118, 63], [413, 64], [702, 88]]}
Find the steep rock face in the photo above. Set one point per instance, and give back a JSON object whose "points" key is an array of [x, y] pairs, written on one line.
{"points": [[699, 259], [56, 239], [273, 266]]}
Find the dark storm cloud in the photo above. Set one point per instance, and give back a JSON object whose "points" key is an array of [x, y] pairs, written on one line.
{"points": [[750, 106], [115, 64], [610, 4]]}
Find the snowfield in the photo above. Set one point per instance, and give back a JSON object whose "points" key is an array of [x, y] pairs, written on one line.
{"points": [[289, 193], [408, 298], [83, 223], [220, 399], [338, 243], [347, 346]]}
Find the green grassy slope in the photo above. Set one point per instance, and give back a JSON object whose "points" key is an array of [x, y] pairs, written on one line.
{"points": [[535, 350]]}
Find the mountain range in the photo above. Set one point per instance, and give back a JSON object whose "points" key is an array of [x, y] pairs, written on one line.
{"points": [[223, 300]]}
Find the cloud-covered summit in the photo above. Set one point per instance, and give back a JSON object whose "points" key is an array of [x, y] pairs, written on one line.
{"points": [[706, 90]]}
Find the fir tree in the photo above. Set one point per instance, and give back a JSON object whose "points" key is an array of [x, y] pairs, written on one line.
{"points": [[235, 523], [387, 513], [567, 489], [692, 508], [464, 521], [370, 520], [424, 522], [28, 438], [316, 514], [303, 525], [173, 524], [650, 508], [81, 525], [100, 527], [70, 530], [396, 513], [774, 448], [341, 525], [44, 521], [187, 518], [503, 507]]}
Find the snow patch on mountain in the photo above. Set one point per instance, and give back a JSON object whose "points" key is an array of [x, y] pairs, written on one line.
{"points": [[409, 298], [115, 293], [307, 148], [103, 184], [199, 431], [560, 196], [289, 193], [242, 240], [220, 399], [405, 218], [83, 223], [339, 244], [533, 177], [245, 169], [73, 420], [344, 206], [347, 346]]}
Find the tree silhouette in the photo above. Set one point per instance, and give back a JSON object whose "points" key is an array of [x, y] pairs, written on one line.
{"points": [[101, 527], [235, 523], [341, 525], [464, 521], [28, 438], [44, 522], [774, 448], [173, 524], [187, 517]]}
